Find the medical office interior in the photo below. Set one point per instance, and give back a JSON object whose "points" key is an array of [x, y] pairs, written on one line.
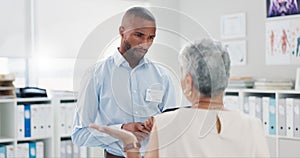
{"points": [[48, 44]]}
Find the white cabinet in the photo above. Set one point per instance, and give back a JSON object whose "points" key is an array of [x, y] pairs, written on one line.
{"points": [[39, 126], [279, 111]]}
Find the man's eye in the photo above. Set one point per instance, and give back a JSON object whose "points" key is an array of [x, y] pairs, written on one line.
{"points": [[151, 37], [139, 34]]}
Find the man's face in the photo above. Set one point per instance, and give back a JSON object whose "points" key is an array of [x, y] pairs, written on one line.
{"points": [[138, 37]]}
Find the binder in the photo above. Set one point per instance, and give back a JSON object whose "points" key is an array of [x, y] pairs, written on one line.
{"points": [[27, 121], [265, 105], [63, 151], [231, 102], [70, 107], [76, 151], [49, 119], [252, 105], [289, 117], [69, 148], [281, 117], [32, 150], [2, 152], [62, 120], [297, 117], [20, 121], [22, 150], [258, 108], [246, 106], [83, 152], [272, 116], [39, 149], [42, 121], [35, 132], [10, 152]]}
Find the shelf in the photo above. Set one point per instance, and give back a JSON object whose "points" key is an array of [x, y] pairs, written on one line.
{"points": [[263, 91], [290, 138], [7, 100], [32, 99], [33, 138], [65, 136], [6, 140]]}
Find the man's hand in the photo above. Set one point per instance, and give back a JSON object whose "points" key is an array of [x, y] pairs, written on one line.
{"points": [[149, 123], [138, 129]]}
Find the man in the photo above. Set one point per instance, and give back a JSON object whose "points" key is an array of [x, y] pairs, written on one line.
{"points": [[124, 90]]}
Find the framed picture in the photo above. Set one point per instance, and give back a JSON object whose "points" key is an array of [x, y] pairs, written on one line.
{"points": [[233, 26], [280, 8], [237, 52]]}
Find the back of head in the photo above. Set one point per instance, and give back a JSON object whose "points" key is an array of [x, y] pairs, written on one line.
{"points": [[138, 12], [208, 63]]}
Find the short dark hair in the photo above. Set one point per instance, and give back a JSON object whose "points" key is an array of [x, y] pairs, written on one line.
{"points": [[140, 12]]}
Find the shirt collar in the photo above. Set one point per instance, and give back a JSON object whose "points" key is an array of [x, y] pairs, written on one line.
{"points": [[119, 59]]}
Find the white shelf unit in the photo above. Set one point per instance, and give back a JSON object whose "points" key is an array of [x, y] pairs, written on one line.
{"points": [[64, 110], [280, 146], [9, 124]]}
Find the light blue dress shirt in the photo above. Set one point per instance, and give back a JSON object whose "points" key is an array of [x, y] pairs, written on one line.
{"points": [[112, 94]]}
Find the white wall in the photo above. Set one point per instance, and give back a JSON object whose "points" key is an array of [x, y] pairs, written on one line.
{"points": [[208, 13], [13, 28], [62, 26]]}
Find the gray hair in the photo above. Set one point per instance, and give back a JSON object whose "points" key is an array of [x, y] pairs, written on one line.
{"points": [[208, 63], [140, 12]]}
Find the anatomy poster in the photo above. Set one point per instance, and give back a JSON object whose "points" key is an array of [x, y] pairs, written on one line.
{"points": [[283, 42]]}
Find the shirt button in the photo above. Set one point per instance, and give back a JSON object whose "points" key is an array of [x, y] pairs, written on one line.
{"points": [[136, 112], [134, 91]]}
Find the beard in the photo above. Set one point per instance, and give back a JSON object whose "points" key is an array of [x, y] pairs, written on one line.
{"points": [[134, 53]]}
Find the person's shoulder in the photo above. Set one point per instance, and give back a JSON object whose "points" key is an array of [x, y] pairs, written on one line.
{"points": [[161, 68], [100, 64], [249, 120], [172, 112]]}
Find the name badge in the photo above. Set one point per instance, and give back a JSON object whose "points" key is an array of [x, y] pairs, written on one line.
{"points": [[154, 95]]}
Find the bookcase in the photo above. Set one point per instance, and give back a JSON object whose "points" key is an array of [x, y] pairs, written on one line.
{"points": [[42, 132], [281, 126]]}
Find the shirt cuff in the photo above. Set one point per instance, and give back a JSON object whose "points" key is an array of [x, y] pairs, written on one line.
{"points": [[116, 126]]}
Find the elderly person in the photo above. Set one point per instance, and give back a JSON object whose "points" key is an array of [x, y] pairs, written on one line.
{"points": [[206, 129]]}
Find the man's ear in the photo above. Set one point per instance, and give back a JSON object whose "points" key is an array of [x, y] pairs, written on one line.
{"points": [[121, 31]]}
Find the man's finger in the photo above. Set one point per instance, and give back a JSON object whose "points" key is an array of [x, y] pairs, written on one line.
{"points": [[142, 128]]}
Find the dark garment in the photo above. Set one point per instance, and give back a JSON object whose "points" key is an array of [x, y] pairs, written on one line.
{"points": [[109, 155]]}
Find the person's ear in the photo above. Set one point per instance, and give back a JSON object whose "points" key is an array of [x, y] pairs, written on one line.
{"points": [[121, 31], [188, 80]]}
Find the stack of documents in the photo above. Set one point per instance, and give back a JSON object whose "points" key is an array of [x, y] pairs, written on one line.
{"points": [[240, 82], [266, 84], [7, 89]]}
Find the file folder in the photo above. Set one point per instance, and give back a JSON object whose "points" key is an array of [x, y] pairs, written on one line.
{"points": [[20, 119], [2, 152], [258, 108], [281, 117], [10, 152], [289, 117], [35, 132], [22, 150], [265, 102], [32, 150], [297, 117], [252, 105], [272, 116], [39, 149], [27, 121]]}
